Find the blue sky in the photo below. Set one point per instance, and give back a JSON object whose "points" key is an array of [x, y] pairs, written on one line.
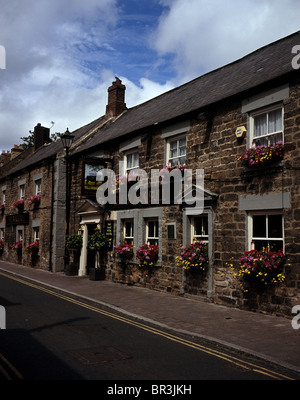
{"points": [[61, 55]]}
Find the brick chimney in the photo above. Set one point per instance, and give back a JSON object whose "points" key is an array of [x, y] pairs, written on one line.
{"points": [[41, 136], [116, 98], [16, 150]]}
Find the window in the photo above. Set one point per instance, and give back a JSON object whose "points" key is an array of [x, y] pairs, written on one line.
{"points": [[1, 233], [36, 233], [38, 186], [171, 230], [267, 127], [128, 231], [152, 234], [200, 229], [266, 231], [176, 151], [3, 196], [22, 191], [131, 161]]}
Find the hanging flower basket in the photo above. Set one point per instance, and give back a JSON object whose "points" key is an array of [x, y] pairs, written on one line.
{"points": [[194, 257], [33, 247], [147, 255], [17, 246], [264, 267], [34, 200], [18, 204], [261, 155], [124, 251]]}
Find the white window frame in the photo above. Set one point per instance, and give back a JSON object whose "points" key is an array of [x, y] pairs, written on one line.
{"points": [[132, 153], [260, 112], [38, 187], [36, 233], [129, 239], [168, 149], [204, 236], [251, 238], [20, 235], [3, 196], [155, 238], [22, 191]]}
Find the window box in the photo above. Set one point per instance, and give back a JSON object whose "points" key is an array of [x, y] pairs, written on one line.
{"points": [[194, 257], [124, 251], [262, 267], [261, 155], [147, 255]]}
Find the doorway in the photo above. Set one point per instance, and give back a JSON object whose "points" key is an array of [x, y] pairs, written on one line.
{"points": [[91, 256]]}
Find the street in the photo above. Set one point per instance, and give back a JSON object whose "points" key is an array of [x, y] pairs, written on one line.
{"points": [[50, 335]]}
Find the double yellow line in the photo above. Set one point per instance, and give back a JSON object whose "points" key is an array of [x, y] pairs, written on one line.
{"points": [[229, 358]]}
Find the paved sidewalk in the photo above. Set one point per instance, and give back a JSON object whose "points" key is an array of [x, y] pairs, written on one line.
{"points": [[269, 337]]}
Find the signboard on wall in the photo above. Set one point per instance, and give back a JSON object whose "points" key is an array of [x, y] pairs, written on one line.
{"points": [[109, 231], [90, 183], [17, 219]]}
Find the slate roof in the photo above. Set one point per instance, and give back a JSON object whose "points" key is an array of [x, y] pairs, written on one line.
{"points": [[263, 65], [48, 151]]}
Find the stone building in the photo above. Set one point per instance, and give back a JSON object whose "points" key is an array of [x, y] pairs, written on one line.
{"points": [[205, 124]]}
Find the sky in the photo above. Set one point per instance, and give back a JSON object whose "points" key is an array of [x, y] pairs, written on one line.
{"points": [[62, 55]]}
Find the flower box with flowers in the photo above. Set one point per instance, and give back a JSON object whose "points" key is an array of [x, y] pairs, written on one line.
{"points": [[261, 155], [264, 266], [18, 204], [124, 251], [194, 257], [34, 200], [147, 255]]}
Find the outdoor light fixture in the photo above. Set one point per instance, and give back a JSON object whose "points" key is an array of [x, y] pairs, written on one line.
{"points": [[67, 140]]}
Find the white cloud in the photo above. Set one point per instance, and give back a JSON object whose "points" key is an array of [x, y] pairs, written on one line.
{"points": [[205, 34]]}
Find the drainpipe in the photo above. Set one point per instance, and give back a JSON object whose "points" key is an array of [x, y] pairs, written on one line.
{"points": [[51, 221]]}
